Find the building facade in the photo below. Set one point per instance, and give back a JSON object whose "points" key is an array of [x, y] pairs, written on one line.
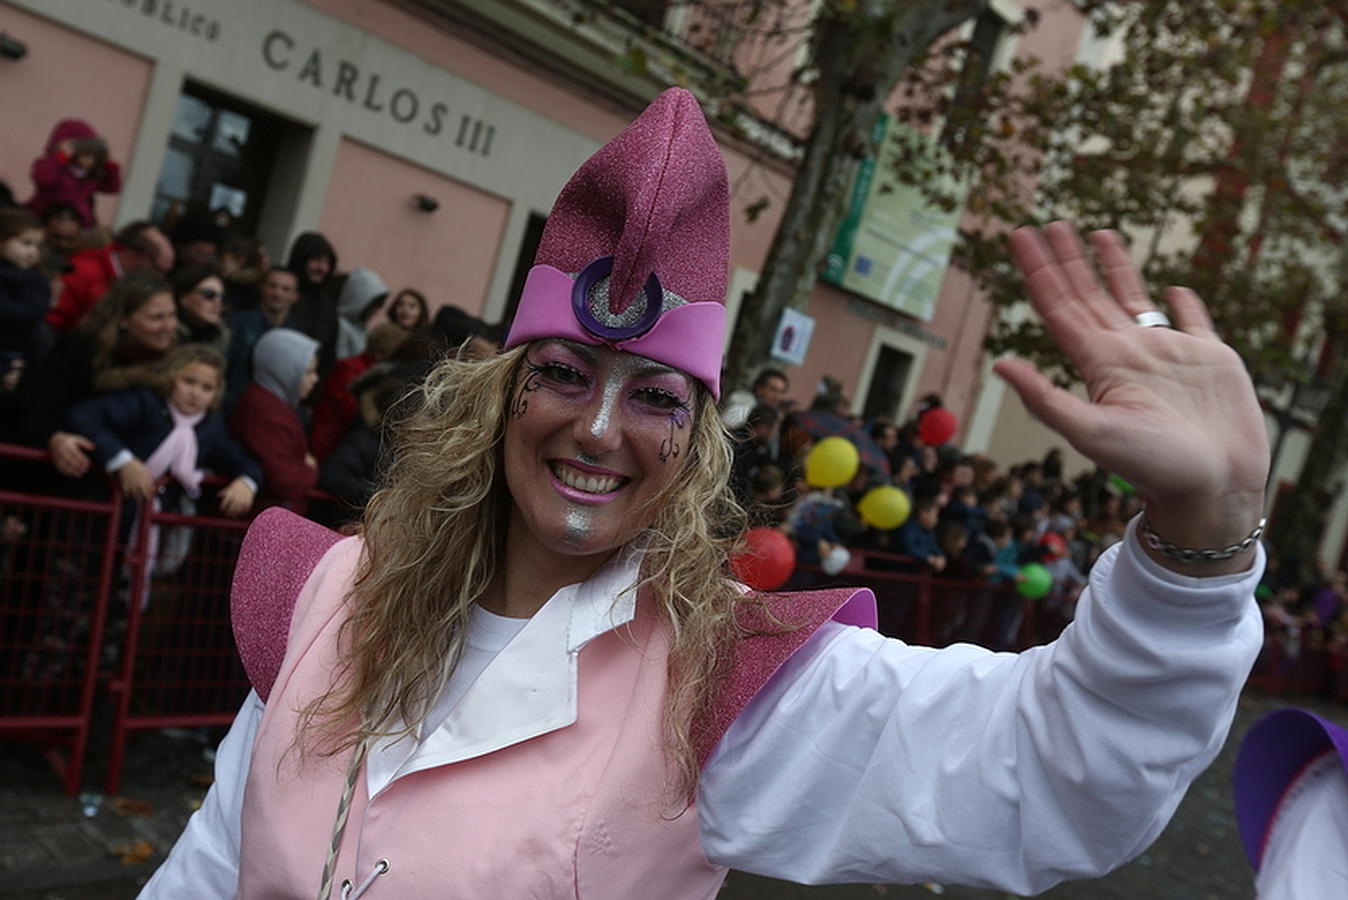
{"points": [[428, 139]]}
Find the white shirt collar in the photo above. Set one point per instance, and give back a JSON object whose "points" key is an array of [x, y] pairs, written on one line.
{"points": [[530, 687]]}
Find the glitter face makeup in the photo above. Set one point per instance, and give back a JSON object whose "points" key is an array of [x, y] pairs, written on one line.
{"points": [[595, 438], [579, 525]]}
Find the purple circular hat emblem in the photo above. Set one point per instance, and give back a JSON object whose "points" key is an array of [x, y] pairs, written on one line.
{"points": [[580, 303]]}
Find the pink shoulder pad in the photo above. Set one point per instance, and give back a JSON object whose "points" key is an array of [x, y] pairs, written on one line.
{"points": [[772, 631], [279, 552]]}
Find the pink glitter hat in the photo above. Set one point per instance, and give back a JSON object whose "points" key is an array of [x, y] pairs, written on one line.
{"points": [[635, 252]]}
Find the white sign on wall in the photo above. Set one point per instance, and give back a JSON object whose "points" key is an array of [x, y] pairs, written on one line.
{"points": [[792, 340]]}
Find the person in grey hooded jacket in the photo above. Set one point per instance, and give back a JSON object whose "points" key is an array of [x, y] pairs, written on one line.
{"points": [[362, 295], [267, 417]]}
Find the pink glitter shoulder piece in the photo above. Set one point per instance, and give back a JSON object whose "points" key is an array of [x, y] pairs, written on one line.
{"points": [[279, 552], [773, 631]]}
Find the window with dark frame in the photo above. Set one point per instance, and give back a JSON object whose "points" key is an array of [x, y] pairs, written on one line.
{"points": [[218, 160]]}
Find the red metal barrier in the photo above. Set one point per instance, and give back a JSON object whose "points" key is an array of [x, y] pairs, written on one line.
{"points": [[69, 591], [919, 607], [179, 666], [56, 574]]}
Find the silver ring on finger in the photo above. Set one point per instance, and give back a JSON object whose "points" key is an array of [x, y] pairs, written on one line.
{"points": [[1152, 318]]}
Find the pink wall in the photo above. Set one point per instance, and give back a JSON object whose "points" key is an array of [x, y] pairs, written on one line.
{"points": [[592, 115], [838, 346], [65, 75], [368, 215], [600, 119]]}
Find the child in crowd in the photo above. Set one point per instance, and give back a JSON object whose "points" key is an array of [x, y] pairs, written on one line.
{"points": [[267, 417], [335, 402], [767, 506], [25, 294], [74, 166], [917, 536], [143, 434], [813, 525], [409, 309], [351, 472]]}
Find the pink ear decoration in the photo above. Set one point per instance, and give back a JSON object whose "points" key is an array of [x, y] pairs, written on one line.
{"points": [[636, 250]]}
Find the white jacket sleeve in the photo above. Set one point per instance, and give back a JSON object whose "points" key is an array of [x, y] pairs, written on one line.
{"points": [[205, 861], [865, 759]]}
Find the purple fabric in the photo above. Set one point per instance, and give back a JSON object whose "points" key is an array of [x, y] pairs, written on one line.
{"points": [[1273, 753], [656, 199], [278, 554], [1326, 602], [773, 631]]}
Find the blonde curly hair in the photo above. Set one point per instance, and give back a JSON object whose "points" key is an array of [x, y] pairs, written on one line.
{"points": [[434, 536]]}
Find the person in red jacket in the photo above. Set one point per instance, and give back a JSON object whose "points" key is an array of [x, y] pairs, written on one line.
{"points": [[336, 406], [139, 246], [73, 167], [267, 417]]}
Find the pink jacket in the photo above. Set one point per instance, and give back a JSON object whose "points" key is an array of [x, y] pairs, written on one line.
{"points": [[56, 181], [550, 800]]}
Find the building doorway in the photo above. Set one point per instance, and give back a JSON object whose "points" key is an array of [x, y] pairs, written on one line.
{"points": [[218, 161], [524, 261], [889, 378]]}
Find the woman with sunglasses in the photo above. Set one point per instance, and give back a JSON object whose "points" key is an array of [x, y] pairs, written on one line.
{"points": [[533, 676], [200, 294]]}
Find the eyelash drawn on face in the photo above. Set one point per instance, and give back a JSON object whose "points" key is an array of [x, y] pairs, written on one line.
{"points": [[528, 384], [679, 417], [559, 374]]}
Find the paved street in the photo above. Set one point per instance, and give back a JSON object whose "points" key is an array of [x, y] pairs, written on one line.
{"points": [[50, 850]]}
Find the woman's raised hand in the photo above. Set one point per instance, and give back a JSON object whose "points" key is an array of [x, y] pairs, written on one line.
{"points": [[1172, 411]]}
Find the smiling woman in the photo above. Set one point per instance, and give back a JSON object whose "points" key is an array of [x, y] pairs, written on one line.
{"points": [[592, 448], [531, 675]]}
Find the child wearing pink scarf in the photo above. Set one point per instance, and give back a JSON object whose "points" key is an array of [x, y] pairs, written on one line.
{"points": [[143, 435]]}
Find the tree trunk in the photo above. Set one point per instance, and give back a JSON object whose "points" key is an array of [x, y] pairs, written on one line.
{"points": [[1302, 513], [860, 57]]}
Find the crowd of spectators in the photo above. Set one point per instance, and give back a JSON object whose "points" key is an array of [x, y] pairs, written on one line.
{"points": [[973, 522], [970, 520], [1305, 627], [113, 342], [96, 326]]}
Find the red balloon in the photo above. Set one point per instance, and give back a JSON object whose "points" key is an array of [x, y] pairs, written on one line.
{"points": [[1053, 545], [767, 561], [937, 426]]}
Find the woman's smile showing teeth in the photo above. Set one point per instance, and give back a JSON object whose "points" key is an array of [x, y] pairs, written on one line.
{"points": [[587, 480]]}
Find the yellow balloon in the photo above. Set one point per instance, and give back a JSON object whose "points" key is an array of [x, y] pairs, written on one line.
{"points": [[832, 463], [884, 507]]}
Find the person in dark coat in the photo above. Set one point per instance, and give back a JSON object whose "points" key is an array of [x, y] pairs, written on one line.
{"points": [[267, 417], [200, 294], [336, 405], [25, 293], [278, 294], [351, 471], [117, 347], [130, 431], [314, 262]]}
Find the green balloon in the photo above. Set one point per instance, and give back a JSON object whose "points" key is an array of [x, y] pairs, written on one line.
{"points": [[1035, 581]]}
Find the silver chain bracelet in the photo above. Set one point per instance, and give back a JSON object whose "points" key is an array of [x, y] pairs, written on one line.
{"points": [[1192, 555]]}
